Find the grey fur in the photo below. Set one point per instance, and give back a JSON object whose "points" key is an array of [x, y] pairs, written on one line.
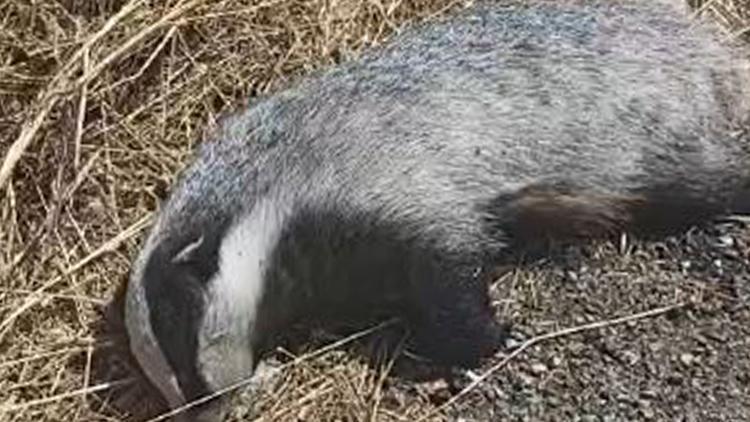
{"points": [[414, 157]]}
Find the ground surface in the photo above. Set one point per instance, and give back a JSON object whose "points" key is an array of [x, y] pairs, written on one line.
{"points": [[121, 91], [689, 364]]}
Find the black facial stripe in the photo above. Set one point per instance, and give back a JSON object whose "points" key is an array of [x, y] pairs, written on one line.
{"points": [[175, 304], [175, 295]]}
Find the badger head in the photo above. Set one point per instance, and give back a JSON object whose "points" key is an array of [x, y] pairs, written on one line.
{"points": [[192, 307]]}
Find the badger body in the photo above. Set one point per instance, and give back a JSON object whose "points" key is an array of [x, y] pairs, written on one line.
{"points": [[401, 176]]}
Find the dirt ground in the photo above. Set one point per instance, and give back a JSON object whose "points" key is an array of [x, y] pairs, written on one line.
{"points": [[108, 98], [688, 361], [690, 364]]}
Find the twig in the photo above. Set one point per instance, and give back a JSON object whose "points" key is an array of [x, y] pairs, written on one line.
{"points": [[137, 38], [741, 32], [81, 115], [281, 414], [154, 55], [108, 246], [550, 336], [705, 6], [24, 139], [378, 393], [51, 217], [52, 94], [56, 296], [54, 353], [87, 373], [59, 397]]}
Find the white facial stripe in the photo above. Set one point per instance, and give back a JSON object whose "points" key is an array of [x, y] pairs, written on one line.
{"points": [[225, 354]]}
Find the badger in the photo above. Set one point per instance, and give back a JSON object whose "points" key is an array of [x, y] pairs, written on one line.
{"points": [[405, 174]]}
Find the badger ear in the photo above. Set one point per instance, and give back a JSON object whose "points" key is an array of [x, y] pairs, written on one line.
{"points": [[187, 253]]}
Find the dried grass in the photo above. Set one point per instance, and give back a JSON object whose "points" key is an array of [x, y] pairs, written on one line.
{"points": [[101, 103]]}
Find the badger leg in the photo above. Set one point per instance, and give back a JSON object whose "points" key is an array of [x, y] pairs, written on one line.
{"points": [[544, 212], [533, 216], [451, 314]]}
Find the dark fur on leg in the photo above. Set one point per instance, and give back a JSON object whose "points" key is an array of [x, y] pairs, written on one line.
{"points": [[539, 214], [452, 316]]}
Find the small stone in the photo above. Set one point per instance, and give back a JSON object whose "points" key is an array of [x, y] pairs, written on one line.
{"points": [[539, 368], [512, 343], [631, 357], [719, 266], [527, 379], [656, 346], [687, 358], [304, 413], [647, 411], [571, 276], [436, 385], [726, 241], [438, 390]]}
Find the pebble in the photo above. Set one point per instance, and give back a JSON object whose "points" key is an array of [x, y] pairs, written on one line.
{"points": [[647, 411], [539, 368], [571, 276], [512, 343], [726, 241], [687, 358], [631, 357], [719, 266], [656, 346], [685, 265]]}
